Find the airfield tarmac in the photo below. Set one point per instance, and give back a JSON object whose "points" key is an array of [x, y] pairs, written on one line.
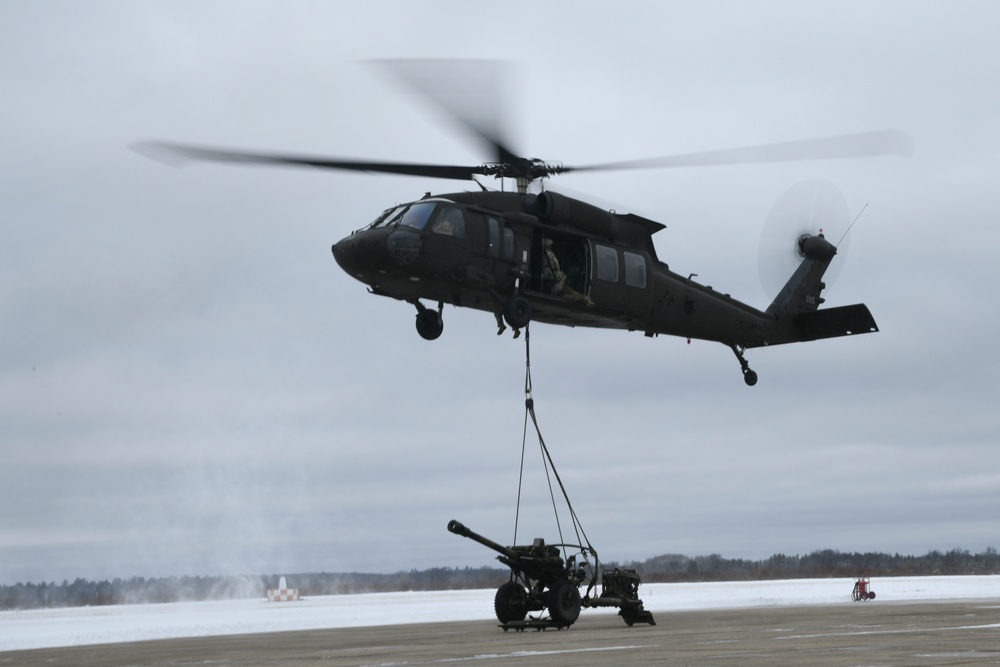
{"points": [[861, 633]]}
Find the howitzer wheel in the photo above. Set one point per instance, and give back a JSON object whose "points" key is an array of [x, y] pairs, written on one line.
{"points": [[511, 602], [564, 602]]}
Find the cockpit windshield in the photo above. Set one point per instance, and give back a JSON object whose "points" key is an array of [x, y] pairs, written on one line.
{"points": [[409, 215], [388, 215], [417, 215]]}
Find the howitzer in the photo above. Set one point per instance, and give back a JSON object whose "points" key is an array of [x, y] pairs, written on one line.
{"points": [[543, 577]]}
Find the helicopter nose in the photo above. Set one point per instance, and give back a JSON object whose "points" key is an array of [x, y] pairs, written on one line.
{"points": [[346, 253], [364, 255], [340, 251]]}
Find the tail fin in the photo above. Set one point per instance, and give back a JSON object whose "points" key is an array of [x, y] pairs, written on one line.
{"points": [[801, 294], [795, 307]]}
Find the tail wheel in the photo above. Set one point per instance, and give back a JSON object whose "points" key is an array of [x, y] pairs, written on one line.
{"points": [[564, 602], [517, 312], [511, 602]]}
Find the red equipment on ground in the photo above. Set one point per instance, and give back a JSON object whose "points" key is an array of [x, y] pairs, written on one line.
{"points": [[862, 590]]}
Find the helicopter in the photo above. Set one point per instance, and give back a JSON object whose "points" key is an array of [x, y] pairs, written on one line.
{"points": [[540, 256]]}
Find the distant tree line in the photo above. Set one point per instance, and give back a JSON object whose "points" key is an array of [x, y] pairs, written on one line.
{"points": [[140, 590], [817, 565], [665, 568]]}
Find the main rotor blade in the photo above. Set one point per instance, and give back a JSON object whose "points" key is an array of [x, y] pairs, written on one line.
{"points": [[177, 154], [472, 93], [864, 144]]}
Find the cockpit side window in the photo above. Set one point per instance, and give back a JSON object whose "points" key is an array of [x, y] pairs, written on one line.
{"points": [[450, 222]]}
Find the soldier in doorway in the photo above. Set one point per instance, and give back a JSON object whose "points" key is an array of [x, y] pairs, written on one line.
{"points": [[560, 287]]}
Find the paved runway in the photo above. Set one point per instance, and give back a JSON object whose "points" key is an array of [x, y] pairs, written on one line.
{"points": [[861, 633]]}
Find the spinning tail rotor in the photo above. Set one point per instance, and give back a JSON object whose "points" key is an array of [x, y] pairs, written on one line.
{"points": [[806, 210]]}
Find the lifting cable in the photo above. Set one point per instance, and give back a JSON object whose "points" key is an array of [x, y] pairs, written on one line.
{"points": [[547, 463]]}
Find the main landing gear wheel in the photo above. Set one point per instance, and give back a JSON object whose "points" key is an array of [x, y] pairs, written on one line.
{"points": [[430, 324], [517, 312]]}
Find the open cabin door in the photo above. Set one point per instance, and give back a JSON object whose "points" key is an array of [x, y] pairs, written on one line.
{"points": [[560, 267]]}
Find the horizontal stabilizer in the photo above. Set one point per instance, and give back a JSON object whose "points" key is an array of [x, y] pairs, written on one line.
{"points": [[835, 322]]}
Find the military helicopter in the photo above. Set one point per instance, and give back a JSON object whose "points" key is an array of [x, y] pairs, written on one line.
{"points": [[546, 257]]}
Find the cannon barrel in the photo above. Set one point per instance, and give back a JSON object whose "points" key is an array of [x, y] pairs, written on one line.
{"points": [[459, 528]]}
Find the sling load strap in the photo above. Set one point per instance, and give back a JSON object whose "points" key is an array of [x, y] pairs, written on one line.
{"points": [[547, 462]]}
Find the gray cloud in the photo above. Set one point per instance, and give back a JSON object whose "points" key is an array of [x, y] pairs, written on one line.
{"points": [[189, 384]]}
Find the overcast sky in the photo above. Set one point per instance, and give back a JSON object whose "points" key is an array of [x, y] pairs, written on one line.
{"points": [[190, 385]]}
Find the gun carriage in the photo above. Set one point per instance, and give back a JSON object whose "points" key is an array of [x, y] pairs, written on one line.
{"points": [[548, 577]]}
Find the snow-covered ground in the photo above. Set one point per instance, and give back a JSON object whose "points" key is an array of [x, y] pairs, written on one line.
{"points": [[123, 623]]}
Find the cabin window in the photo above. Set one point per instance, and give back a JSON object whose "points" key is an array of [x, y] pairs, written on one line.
{"points": [[494, 232], [635, 269], [607, 263], [450, 222], [494, 235]]}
